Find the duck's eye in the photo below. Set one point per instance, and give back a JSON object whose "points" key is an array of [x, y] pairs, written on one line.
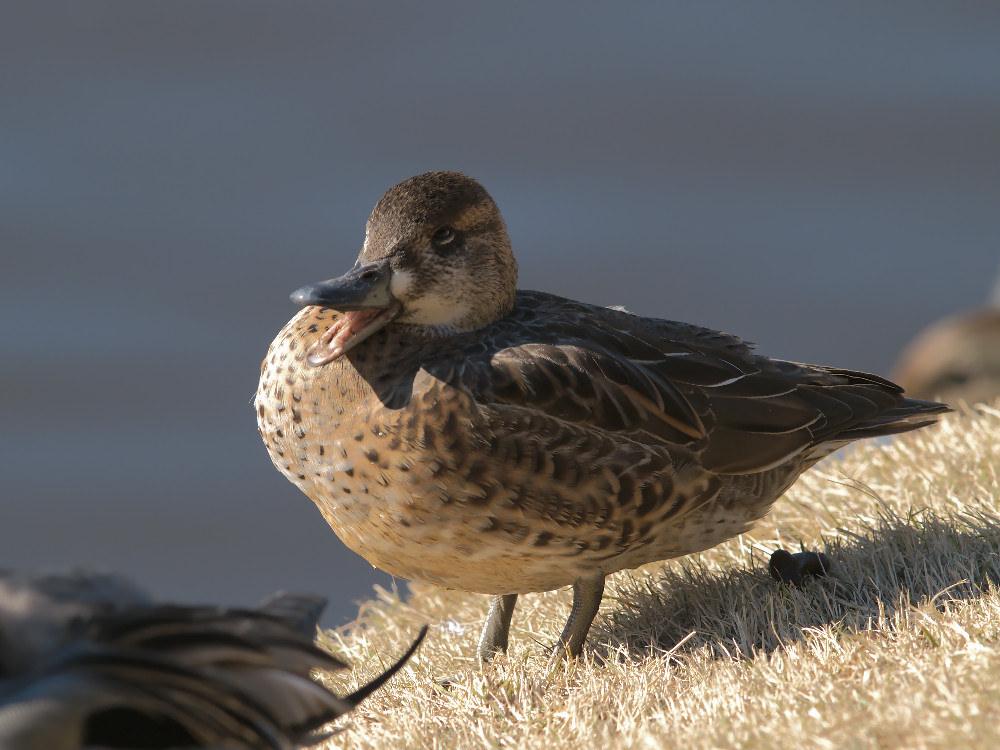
{"points": [[443, 235]]}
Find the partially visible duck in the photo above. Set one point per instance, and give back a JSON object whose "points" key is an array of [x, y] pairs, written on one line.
{"points": [[88, 660], [955, 359], [456, 431]]}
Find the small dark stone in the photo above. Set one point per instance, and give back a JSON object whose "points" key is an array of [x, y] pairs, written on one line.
{"points": [[793, 569]]}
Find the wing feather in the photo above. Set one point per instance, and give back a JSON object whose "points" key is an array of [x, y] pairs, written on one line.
{"points": [[671, 386]]}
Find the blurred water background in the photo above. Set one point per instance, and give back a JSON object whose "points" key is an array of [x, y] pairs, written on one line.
{"points": [[823, 179]]}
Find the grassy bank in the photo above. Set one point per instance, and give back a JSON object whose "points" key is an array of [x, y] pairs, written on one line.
{"points": [[898, 647]]}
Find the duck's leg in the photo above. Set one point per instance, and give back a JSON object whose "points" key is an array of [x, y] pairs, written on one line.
{"points": [[587, 593], [493, 639]]}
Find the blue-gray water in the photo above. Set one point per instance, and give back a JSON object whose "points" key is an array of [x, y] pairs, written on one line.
{"points": [[823, 179]]}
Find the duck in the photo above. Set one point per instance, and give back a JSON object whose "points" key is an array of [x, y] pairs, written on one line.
{"points": [[457, 431], [89, 659], [955, 359]]}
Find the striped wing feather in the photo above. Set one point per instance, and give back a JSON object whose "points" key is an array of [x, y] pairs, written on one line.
{"points": [[673, 385]]}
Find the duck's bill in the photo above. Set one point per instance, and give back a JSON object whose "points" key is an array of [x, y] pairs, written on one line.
{"points": [[363, 295], [364, 287]]}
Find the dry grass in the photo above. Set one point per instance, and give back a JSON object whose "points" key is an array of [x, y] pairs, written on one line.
{"points": [[899, 647]]}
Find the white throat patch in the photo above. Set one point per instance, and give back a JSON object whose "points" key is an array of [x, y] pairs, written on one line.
{"points": [[428, 309]]}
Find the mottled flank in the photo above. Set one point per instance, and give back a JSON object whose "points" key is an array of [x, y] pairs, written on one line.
{"points": [[455, 431]]}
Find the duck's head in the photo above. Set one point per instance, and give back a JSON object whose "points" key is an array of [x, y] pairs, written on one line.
{"points": [[436, 255]]}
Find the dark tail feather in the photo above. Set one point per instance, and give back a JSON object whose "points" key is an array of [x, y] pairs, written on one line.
{"points": [[909, 414], [351, 701], [365, 690]]}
